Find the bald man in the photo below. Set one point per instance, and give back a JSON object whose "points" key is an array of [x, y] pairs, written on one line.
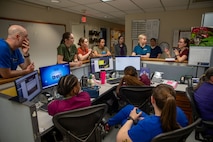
{"points": [[10, 55]]}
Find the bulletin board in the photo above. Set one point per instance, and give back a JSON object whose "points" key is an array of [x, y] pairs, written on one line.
{"points": [[149, 27], [44, 39], [114, 38], [178, 34]]}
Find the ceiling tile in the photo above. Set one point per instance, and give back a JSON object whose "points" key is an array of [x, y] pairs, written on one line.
{"points": [[121, 5], [148, 3], [175, 3], [116, 10]]}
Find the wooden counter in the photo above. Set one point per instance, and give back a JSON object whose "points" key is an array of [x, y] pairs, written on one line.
{"points": [[160, 60], [4, 81], [183, 102]]}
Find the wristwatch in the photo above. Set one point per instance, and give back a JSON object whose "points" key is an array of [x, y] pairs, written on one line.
{"points": [[27, 55], [134, 121]]}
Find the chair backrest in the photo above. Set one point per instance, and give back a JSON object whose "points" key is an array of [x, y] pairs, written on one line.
{"points": [[179, 135], [138, 96], [190, 96], [206, 126], [81, 125]]}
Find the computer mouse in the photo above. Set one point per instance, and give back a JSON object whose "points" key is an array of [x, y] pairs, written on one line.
{"points": [[47, 94]]}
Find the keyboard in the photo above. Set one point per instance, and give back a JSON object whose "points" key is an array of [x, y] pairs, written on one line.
{"points": [[44, 107], [113, 80]]}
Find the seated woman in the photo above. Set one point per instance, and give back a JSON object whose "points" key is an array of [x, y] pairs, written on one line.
{"points": [[69, 87], [84, 53], [204, 96], [182, 52], [131, 78], [138, 126], [101, 49]]}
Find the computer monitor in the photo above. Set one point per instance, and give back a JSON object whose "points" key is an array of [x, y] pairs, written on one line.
{"points": [[121, 62], [101, 63], [50, 75], [200, 56], [28, 86]]}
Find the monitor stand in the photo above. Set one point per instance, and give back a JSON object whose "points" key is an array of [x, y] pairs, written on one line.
{"points": [[55, 94]]}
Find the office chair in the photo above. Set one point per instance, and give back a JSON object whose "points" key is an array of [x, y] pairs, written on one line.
{"points": [[81, 125], [204, 125], [138, 96], [179, 135]]}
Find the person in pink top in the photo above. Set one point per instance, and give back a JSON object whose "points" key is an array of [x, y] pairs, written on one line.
{"points": [[69, 87]]}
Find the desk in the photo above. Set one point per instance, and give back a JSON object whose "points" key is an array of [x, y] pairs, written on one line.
{"points": [[32, 124], [22, 122], [45, 120]]}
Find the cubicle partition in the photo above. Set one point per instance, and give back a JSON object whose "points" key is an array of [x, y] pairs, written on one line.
{"points": [[18, 121], [173, 70], [22, 122]]}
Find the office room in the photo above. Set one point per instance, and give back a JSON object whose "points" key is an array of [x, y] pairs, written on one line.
{"points": [[170, 21]]}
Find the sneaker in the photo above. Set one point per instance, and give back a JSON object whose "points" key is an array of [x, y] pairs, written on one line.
{"points": [[107, 127]]}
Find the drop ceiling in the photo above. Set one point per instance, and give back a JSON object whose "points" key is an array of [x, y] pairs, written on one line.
{"points": [[115, 10]]}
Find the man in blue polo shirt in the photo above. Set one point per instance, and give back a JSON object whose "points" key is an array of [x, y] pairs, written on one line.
{"points": [[10, 55], [142, 49]]}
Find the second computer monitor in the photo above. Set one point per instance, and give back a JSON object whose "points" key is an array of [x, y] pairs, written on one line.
{"points": [[50, 75], [101, 63], [121, 62], [28, 86]]}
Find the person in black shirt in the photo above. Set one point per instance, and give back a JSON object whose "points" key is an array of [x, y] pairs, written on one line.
{"points": [[155, 50], [120, 48]]}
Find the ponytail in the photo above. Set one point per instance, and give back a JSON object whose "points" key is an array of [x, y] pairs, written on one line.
{"points": [[168, 115], [164, 96], [66, 35], [205, 77], [201, 80], [132, 80]]}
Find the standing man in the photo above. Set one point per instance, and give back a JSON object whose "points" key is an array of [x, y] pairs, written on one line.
{"points": [[10, 55], [155, 49]]}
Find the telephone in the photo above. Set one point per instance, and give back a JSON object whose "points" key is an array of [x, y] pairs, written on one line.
{"points": [[83, 81], [185, 79]]}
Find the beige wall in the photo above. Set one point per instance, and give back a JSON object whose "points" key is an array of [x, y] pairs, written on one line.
{"points": [[21, 10], [169, 21]]}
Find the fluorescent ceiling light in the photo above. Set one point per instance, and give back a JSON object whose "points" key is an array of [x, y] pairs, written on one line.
{"points": [[106, 0], [55, 1]]}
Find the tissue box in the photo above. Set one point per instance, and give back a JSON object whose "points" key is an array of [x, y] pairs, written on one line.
{"points": [[171, 83], [93, 91]]}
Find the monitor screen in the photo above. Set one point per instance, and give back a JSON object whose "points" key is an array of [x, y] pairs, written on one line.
{"points": [[101, 63], [200, 56], [50, 75], [121, 62], [28, 86]]}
